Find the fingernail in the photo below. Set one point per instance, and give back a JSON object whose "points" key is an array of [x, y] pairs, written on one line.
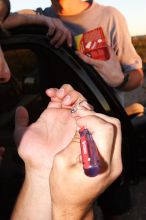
{"points": [[60, 92], [67, 100]]}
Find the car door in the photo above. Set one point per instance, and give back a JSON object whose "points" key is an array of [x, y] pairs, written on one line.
{"points": [[35, 66]]}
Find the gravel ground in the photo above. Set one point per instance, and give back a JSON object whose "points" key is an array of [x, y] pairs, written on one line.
{"points": [[137, 95]]}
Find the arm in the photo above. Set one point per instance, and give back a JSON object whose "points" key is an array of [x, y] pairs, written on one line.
{"points": [[78, 204], [38, 144], [56, 30], [135, 80], [5, 73], [2, 152], [34, 200], [16, 19], [77, 189], [111, 71]]}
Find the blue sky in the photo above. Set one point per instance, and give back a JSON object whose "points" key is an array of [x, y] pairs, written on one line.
{"points": [[133, 10]]}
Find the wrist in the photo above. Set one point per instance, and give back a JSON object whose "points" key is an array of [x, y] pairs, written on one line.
{"points": [[124, 82], [44, 20], [71, 213], [38, 174]]}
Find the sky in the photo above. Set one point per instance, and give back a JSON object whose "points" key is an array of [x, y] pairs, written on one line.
{"points": [[133, 10]]}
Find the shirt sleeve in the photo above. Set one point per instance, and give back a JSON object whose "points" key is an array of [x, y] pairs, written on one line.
{"points": [[39, 11], [123, 46]]}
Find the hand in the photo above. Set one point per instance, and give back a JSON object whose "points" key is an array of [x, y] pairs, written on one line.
{"points": [[39, 142], [5, 73], [73, 192], [66, 97], [2, 152], [58, 32], [110, 70]]}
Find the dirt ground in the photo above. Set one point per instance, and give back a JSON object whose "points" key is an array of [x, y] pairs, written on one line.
{"points": [[137, 95]]}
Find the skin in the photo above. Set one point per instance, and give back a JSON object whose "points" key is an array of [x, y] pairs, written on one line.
{"points": [[50, 159], [109, 70], [66, 7], [5, 73], [57, 32], [68, 96], [37, 148], [76, 182]]}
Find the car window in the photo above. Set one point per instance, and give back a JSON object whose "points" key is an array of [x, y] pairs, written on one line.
{"points": [[35, 66], [24, 67], [23, 88]]}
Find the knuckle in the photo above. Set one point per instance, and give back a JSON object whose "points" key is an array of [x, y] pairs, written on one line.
{"points": [[107, 173], [58, 161], [117, 122], [109, 127], [117, 171], [67, 86]]}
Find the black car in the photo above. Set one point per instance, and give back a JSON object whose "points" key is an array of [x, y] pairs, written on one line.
{"points": [[35, 66]]}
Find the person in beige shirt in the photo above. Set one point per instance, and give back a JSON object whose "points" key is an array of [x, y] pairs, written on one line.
{"points": [[123, 71]]}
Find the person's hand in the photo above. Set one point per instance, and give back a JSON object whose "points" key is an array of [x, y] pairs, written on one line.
{"points": [[58, 32], [5, 73], [73, 192], [2, 152], [66, 97], [110, 70], [39, 142], [37, 145]]}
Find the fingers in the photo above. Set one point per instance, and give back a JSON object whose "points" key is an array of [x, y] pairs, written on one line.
{"points": [[116, 161], [2, 152], [111, 52], [58, 33], [51, 29], [69, 39], [21, 122], [107, 134], [66, 94], [103, 134], [60, 37], [21, 117], [88, 60], [71, 96], [55, 101]]}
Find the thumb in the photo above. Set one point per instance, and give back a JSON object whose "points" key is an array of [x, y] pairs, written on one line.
{"points": [[111, 51], [21, 122], [89, 60]]}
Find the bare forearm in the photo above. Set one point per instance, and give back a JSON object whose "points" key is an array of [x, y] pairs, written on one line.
{"points": [[34, 199], [15, 20], [71, 213]]}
